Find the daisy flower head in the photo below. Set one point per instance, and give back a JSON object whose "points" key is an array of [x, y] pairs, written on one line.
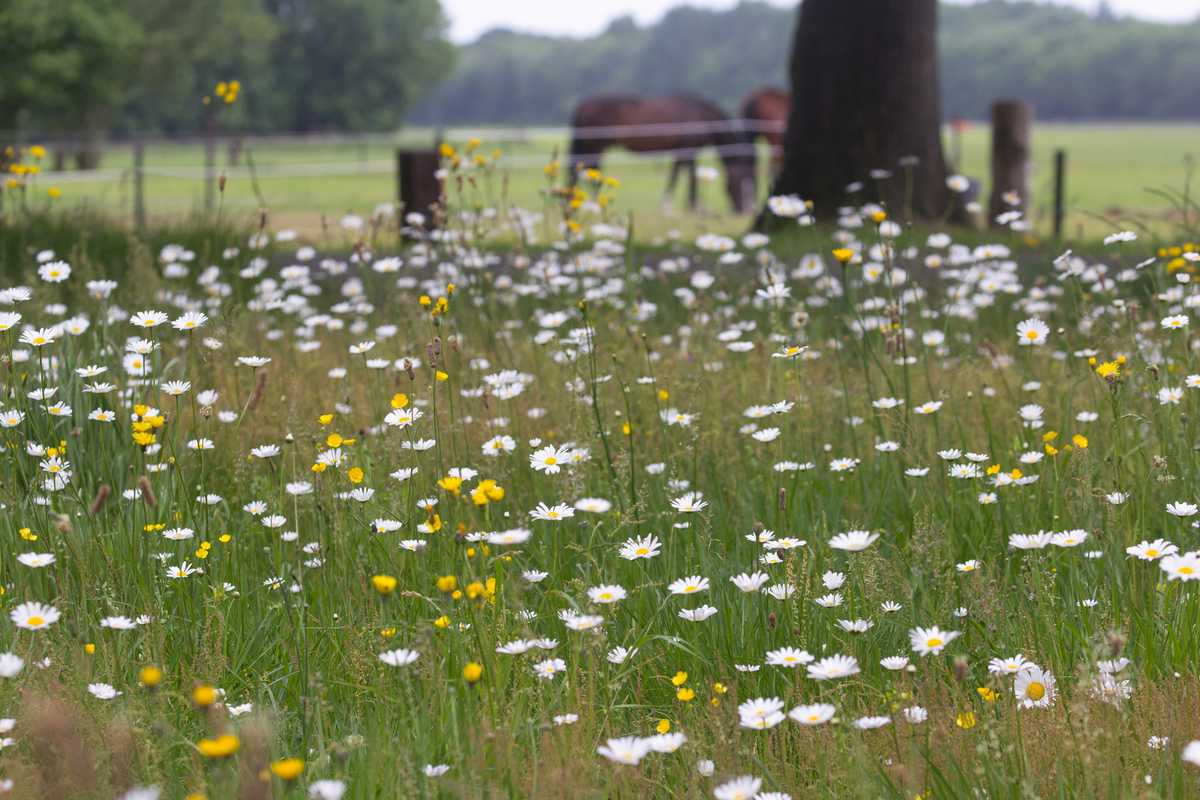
{"points": [[837, 666], [1185, 567], [1035, 688], [816, 714], [788, 657], [606, 593], [743, 788], [689, 503], [1032, 332], [626, 750], [1148, 551], [34, 616], [640, 547], [688, 585], [550, 459], [853, 541], [931, 640]]}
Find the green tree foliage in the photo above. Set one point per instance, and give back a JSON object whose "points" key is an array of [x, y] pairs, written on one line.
{"points": [[1070, 64], [146, 65]]}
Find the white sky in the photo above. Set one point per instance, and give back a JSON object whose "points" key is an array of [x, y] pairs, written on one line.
{"points": [[470, 18]]}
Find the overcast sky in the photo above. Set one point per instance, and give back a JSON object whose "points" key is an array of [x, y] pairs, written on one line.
{"points": [[469, 18]]}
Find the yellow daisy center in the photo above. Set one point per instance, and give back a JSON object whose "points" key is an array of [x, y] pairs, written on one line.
{"points": [[36, 620], [1035, 691], [1186, 570], [1032, 334], [552, 460], [934, 643], [641, 551], [1151, 553]]}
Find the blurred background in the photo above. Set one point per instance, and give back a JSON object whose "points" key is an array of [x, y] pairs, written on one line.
{"points": [[304, 103]]}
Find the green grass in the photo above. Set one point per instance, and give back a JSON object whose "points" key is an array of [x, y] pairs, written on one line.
{"points": [[308, 660], [1109, 167]]}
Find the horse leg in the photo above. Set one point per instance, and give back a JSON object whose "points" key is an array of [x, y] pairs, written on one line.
{"points": [[668, 198], [691, 185]]}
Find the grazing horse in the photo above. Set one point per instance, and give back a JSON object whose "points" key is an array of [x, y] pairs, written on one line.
{"points": [[680, 124], [768, 105]]}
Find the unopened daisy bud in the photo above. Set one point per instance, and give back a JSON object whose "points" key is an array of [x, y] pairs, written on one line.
{"points": [[100, 499], [446, 583], [260, 388], [758, 528], [147, 493]]}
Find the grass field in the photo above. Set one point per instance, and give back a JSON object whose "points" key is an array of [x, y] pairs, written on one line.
{"points": [[583, 521], [1109, 166]]}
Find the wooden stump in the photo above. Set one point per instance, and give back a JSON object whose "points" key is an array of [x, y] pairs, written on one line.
{"points": [[1011, 122], [419, 187]]}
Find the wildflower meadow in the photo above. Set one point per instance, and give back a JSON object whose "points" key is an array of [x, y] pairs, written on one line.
{"points": [[504, 501]]}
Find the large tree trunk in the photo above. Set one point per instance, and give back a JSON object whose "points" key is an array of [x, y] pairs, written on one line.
{"points": [[865, 98]]}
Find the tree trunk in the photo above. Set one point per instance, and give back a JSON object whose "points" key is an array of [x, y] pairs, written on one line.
{"points": [[1011, 121], [865, 99]]}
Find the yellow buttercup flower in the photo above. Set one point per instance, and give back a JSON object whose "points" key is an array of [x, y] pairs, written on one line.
{"points": [[472, 672], [384, 584], [663, 726], [685, 694], [680, 678], [220, 747], [843, 254], [151, 676], [1080, 441], [334, 440], [446, 584], [355, 475], [966, 720], [204, 695], [288, 768], [399, 400]]}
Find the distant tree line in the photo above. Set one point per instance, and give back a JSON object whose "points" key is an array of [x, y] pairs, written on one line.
{"points": [[126, 66], [147, 65], [1072, 65]]}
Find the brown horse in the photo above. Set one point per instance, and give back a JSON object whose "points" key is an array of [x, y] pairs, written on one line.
{"points": [[679, 124], [767, 105]]}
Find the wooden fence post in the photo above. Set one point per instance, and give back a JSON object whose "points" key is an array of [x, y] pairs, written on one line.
{"points": [[1011, 120], [139, 188], [1060, 183]]}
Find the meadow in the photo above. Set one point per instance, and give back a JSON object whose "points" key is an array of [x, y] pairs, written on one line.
{"points": [[1109, 169], [521, 506]]}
